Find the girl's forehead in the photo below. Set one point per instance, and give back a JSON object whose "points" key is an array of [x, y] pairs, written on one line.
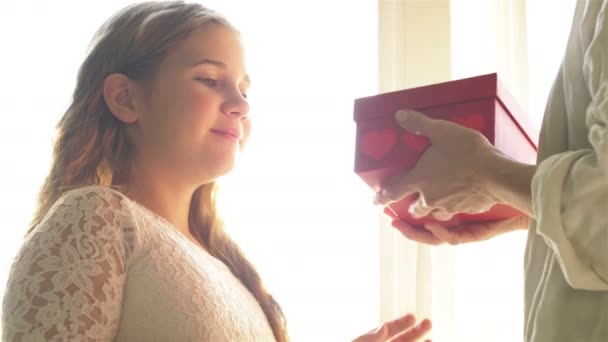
{"points": [[213, 42]]}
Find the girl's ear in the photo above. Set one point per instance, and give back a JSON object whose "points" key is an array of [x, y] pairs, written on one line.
{"points": [[119, 94]]}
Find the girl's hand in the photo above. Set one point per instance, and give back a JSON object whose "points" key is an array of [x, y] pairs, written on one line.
{"points": [[403, 329]]}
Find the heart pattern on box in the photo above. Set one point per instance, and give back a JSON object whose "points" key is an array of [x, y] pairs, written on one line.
{"points": [[472, 121], [416, 142], [378, 144]]}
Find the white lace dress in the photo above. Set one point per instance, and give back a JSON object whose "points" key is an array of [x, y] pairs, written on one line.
{"points": [[101, 267]]}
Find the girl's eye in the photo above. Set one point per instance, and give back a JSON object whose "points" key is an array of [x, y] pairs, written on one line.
{"points": [[209, 82]]}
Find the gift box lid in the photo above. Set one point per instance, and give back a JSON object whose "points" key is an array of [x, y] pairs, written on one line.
{"points": [[441, 94]]}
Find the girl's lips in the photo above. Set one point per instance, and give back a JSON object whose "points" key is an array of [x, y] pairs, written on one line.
{"points": [[228, 133]]}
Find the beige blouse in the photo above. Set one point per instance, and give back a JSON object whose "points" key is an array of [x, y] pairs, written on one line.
{"points": [[566, 266]]}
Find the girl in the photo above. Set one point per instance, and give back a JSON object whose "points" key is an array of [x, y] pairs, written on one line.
{"points": [[126, 244]]}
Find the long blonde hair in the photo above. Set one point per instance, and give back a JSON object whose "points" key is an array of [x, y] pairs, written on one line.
{"points": [[91, 145]]}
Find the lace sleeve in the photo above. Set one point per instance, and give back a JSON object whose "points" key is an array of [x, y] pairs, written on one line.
{"points": [[66, 282]]}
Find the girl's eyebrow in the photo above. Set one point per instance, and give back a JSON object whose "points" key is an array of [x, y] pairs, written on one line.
{"points": [[210, 61]]}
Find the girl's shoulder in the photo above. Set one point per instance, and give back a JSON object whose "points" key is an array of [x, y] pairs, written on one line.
{"points": [[92, 210]]}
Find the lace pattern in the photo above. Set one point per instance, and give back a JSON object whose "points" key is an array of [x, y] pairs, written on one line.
{"points": [[102, 267]]}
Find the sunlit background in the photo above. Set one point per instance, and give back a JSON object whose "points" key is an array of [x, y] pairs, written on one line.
{"points": [[293, 203]]}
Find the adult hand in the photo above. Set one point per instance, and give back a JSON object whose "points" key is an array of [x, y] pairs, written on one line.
{"points": [[436, 234], [452, 175]]}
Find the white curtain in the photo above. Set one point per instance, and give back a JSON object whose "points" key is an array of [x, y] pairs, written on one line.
{"points": [[414, 49], [472, 292]]}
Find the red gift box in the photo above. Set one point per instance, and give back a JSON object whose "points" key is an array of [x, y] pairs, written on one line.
{"points": [[482, 103]]}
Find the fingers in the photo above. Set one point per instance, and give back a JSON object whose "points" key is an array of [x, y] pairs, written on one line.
{"points": [[441, 215], [415, 122], [401, 329], [415, 333], [474, 232], [464, 233], [514, 223], [412, 233], [522, 222], [443, 234], [416, 234], [395, 327], [398, 187], [390, 213], [419, 208]]}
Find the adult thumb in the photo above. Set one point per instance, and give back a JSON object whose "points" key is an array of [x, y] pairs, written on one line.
{"points": [[415, 122]]}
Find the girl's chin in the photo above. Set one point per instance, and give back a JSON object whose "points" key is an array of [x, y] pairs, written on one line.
{"points": [[221, 169]]}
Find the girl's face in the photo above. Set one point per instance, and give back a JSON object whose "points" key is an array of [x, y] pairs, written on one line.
{"points": [[193, 113]]}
